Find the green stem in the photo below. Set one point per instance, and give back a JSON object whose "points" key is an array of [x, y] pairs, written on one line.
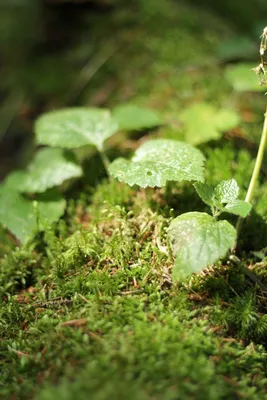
{"points": [[258, 162], [105, 161], [256, 171]]}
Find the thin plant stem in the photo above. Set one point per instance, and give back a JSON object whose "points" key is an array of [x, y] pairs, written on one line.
{"points": [[256, 171], [258, 162], [105, 161]]}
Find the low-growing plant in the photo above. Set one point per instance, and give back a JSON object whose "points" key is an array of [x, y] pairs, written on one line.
{"points": [[77, 127], [197, 239], [27, 201], [25, 217]]}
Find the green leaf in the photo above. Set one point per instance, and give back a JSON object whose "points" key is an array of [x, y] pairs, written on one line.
{"points": [[131, 117], [227, 120], [198, 240], [203, 122], [159, 161], [50, 207], [75, 127], [227, 191], [242, 78], [16, 213], [50, 168], [223, 197], [238, 207], [205, 192], [15, 180], [24, 217]]}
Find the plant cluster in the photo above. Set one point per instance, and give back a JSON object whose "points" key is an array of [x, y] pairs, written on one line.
{"points": [[197, 239]]}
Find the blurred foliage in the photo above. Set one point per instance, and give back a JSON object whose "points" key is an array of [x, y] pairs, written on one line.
{"points": [[247, 15], [51, 49]]}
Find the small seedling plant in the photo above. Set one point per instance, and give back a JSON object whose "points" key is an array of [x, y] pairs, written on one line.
{"points": [[197, 239], [78, 127], [32, 198]]}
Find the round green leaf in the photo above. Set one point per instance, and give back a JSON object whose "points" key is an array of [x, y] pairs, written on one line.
{"points": [[24, 217], [203, 122], [198, 240], [131, 117], [159, 161], [226, 120], [242, 78], [75, 127], [50, 167]]}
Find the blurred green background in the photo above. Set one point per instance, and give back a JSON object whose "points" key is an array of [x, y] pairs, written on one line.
{"points": [[57, 53]]}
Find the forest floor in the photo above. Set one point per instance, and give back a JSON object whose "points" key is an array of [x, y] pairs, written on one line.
{"points": [[88, 308]]}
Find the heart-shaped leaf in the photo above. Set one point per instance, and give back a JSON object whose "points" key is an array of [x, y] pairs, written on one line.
{"points": [[131, 117], [50, 168], [242, 78], [203, 122], [198, 240], [25, 217], [75, 127], [159, 161]]}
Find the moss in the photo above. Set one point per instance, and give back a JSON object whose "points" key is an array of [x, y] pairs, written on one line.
{"points": [[102, 318]]}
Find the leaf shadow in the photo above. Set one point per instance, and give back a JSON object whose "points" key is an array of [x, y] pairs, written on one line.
{"points": [[253, 235]]}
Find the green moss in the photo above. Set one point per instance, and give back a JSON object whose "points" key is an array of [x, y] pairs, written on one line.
{"points": [[102, 319], [237, 163], [18, 269]]}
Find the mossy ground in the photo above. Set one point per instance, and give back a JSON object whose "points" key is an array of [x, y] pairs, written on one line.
{"points": [[88, 308]]}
